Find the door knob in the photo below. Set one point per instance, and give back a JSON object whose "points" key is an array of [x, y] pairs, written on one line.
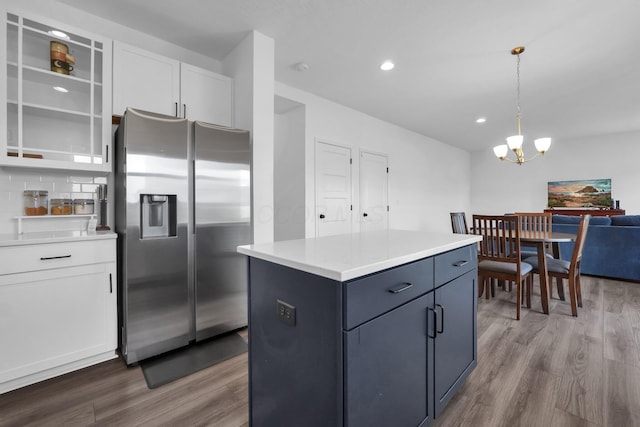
{"points": [[321, 216], [365, 214]]}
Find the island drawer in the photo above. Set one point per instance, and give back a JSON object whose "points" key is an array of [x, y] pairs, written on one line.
{"points": [[455, 263], [371, 296], [24, 258]]}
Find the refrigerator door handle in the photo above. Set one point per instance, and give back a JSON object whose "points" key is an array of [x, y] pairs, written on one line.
{"points": [[193, 197]]}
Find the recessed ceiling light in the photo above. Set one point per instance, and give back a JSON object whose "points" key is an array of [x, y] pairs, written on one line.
{"points": [[61, 89], [387, 65], [58, 34], [481, 120]]}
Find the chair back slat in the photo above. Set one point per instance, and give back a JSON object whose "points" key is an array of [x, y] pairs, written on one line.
{"points": [[501, 237], [535, 221], [459, 223]]}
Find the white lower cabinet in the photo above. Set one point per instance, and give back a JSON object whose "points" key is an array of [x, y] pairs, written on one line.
{"points": [[59, 316]]}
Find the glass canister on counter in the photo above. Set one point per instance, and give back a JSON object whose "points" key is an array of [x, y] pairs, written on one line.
{"points": [[36, 202], [61, 207], [83, 206]]}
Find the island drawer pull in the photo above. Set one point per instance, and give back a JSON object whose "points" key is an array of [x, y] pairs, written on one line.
{"points": [[441, 329], [460, 263], [44, 258], [401, 288]]}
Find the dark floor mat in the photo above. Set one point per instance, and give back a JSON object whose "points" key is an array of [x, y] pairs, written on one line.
{"points": [[187, 360]]}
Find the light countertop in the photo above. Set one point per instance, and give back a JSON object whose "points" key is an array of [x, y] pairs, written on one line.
{"points": [[53, 237], [348, 256]]}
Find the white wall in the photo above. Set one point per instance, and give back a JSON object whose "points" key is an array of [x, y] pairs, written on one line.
{"points": [[288, 174], [427, 179], [499, 187]]}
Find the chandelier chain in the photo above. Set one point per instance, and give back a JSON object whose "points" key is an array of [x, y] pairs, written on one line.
{"points": [[518, 93]]}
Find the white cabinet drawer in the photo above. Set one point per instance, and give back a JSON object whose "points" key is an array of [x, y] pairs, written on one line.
{"points": [[18, 259]]}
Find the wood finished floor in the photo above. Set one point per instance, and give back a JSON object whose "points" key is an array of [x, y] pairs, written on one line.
{"points": [[550, 371]]}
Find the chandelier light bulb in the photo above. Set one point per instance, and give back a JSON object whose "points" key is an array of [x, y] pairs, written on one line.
{"points": [[501, 151], [515, 142], [542, 144]]}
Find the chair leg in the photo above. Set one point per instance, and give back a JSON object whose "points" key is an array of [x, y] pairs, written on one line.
{"points": [[573, 297], [578, 290], [560, 287], [518, 298], [493, 288], [529, 285]]}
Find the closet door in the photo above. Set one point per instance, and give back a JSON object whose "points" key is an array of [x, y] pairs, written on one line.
{"points": [[374, 191]]}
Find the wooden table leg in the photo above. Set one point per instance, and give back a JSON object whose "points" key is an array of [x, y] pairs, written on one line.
{"points": [[544, 277]]}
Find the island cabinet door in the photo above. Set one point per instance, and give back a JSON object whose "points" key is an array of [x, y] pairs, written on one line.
{"points": [[455, 349], [387, 381]]}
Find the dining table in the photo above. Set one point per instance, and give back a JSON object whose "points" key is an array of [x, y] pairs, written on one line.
{"points": [[539, 239]]}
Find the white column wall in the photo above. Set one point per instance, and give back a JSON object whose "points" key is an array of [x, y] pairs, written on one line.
{"points": [[251, 64]]}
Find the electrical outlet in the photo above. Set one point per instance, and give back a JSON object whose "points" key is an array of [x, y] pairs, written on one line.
{"points": [[286, 313]]}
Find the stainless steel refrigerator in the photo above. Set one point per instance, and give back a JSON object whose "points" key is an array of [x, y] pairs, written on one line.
{"points": [[183, 205]]}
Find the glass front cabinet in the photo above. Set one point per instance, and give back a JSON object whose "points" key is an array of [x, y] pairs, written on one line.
{"points": [[57, 86]]}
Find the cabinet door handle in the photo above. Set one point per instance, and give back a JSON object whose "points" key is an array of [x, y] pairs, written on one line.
{"points": [[321, 216], [184, 111], [44, 258], [435, 321], [365, 214], [110, 284], [176, 108], [460, 263], [402, 287], [441, 330]]}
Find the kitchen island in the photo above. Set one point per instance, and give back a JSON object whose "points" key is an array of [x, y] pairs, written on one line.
{"points": [[364, 329]]}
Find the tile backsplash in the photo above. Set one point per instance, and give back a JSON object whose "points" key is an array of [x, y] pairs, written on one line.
{"points": [[60, 185]]}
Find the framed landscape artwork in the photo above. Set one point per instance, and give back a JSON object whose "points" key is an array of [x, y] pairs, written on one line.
{"points": [[588, 193]]}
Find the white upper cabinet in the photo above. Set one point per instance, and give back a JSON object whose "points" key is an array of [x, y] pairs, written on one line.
{"points": [[206, 96], [144, 80], [54, 113], [152, 82]]}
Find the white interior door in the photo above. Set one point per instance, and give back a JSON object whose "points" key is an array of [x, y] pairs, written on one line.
{"points": [[374, 191], [333, 189]]}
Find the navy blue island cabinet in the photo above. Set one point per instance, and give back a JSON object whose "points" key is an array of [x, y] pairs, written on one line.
{"points": [[389, 348]]}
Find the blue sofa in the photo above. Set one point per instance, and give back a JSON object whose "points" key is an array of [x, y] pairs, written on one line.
{"points": [[612, 246]]}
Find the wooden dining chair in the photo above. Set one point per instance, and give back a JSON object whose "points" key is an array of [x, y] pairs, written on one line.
{"points": [[569, 270], [535, 221], [499, 254], [459, 223]]}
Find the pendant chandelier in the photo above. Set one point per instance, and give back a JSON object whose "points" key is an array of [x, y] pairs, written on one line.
{"points": [[514, 143]]}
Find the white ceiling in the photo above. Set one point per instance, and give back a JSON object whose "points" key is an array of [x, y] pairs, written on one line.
{"points": [[580, 74]]}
